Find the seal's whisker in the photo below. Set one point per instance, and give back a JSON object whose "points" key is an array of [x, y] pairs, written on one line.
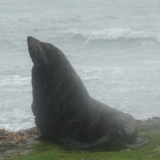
{"points": [[36, 50], [40, 55], [42, 52], [44, 55]]}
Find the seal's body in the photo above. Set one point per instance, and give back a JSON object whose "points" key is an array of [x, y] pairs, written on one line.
{"points": [[64, 111]]}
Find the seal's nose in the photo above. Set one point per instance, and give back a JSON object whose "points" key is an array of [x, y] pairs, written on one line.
{"points": [[29, 38]]}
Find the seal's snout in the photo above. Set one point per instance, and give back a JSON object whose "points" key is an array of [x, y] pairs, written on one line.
{"points": [[29, 38]]}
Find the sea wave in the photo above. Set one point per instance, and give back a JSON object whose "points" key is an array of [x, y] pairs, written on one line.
{"points": [[14, 80], [14, 119], [113, 34]]}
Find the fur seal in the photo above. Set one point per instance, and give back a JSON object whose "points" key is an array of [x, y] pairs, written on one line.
{"points": [[66, 114]]}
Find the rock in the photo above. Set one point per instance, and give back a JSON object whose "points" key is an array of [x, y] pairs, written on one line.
{"points": [[2, 137], [7, 144], [2, 132], [31, 146], [21, 145], [22, 133], [139, 121], [2, 148], [16, 155], [157, 148], [30, 131], [156, 119], [11, 151], [1, 158], [30, 139], [150, 124], [27, 152], [33, 142]]}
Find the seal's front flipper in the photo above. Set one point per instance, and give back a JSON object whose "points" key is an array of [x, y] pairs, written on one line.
{"points": [[41, 137], [139, 143]]}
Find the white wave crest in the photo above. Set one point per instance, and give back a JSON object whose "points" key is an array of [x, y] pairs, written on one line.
{"points": [[114, 34]]}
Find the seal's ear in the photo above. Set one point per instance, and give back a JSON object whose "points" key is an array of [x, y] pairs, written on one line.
{"points": [[50, 46], [58, 51]]}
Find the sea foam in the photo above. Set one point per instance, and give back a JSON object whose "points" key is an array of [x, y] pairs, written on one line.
{"points": [[114, 34]]}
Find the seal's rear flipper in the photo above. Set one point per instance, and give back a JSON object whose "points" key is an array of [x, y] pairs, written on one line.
{"points": [[99, 145], [139, 143], [106, 143]]}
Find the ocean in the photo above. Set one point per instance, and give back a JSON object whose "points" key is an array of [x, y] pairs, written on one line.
{"points": [[113, 45]]}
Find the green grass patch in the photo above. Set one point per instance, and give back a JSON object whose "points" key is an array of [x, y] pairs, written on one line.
{"points": [[50, 151]]}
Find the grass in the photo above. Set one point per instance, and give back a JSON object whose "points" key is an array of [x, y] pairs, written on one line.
{"points": [[50, 151]]}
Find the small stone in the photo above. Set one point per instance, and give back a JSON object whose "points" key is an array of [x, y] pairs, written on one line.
{"points": [[2, 148], [157, 148], [11, 151], [27, 152]]}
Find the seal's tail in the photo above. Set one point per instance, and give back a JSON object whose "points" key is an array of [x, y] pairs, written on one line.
{"points": [[106, 143]]}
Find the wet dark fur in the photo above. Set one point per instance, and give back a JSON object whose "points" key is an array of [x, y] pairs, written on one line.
{"points": [[64, 111]]}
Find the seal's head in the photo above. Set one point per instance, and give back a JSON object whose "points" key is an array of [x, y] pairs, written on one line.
{"points": [[41, 52]]}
